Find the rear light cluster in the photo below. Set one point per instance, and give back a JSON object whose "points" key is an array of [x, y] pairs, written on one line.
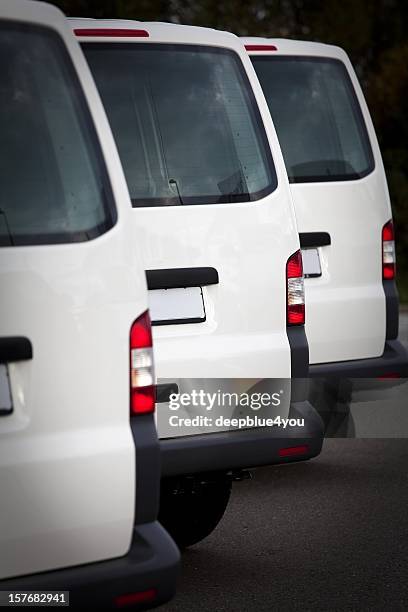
{"points": [[142, 384], [388, 251], [295, 290]]}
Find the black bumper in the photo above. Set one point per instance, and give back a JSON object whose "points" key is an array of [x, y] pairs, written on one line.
{"points": [[151, 566], [245, 448], [392, 363]]}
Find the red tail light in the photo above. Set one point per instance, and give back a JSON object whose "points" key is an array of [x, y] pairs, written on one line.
{"points": [[142, 385], [295, 290], [111, 32], [388, 251]]}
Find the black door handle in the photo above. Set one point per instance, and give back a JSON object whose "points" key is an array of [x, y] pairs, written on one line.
{"points": [[15, 348], [174, 278], [314, 239], [163, 391]]}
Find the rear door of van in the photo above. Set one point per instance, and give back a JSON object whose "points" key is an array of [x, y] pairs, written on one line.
{"points": [[212, 209], [339, 190]]}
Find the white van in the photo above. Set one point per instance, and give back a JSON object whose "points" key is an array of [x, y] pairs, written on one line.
{"points": [[342, 207], [79, 455], [214, 219]]}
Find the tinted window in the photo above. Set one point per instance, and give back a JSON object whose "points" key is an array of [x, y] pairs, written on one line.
{"points": [[185, 121], [317, 117], [53, 184]]}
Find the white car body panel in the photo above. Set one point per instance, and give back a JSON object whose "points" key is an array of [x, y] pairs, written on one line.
{"points": [[67, 456], [346, 310]]}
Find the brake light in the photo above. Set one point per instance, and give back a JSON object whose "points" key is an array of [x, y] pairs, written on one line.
{"points": [[388, 251], [111, 32], [261, 48], [130, 599], [142, 386], [295, 290]]}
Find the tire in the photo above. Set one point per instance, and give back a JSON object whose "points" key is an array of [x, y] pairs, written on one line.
{"points": [[192, 507]]}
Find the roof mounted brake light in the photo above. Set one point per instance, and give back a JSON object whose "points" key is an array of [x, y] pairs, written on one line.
{"points": [[111, 32], [261, 47]]}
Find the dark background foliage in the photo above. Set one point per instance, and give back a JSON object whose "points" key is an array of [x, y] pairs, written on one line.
{"points": [[373, 32]]}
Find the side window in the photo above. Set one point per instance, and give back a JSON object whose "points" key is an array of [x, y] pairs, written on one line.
{"points": [[54, 186]]}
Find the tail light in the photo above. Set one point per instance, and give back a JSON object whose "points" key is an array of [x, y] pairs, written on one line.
{"points": [[295, 290], [142, 385], [388, 251]]}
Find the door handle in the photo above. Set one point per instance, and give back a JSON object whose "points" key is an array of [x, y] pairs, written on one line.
{"points": [[174, 278], [314, 239], [15, 348], [163, 391]]}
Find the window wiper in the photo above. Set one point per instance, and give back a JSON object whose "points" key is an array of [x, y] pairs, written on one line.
{"points": [[173, 183], [6, 223]]}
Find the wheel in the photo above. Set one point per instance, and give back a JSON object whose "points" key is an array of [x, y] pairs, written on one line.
{"points": [[191, 507]]}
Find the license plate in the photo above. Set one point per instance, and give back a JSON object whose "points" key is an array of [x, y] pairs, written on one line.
{"points": [[173, 306], [311, 263], [6, 404]]}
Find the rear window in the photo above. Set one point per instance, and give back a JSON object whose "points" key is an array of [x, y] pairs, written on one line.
{"points": [[185, 121], [54, 187], [317, 117]]}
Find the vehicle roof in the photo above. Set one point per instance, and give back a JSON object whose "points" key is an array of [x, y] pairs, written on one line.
{"points": [[33, 12], [158, 32], [287, 46]]}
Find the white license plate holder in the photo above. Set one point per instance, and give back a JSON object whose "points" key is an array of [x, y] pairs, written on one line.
{"points": [[311, 263], [6, 402], [176, 306]]}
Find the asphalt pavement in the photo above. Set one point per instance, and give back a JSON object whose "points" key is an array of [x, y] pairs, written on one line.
{"points": [[327, 534], [382, 413]]}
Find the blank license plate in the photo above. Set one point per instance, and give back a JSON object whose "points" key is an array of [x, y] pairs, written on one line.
{"points": [[6, 404], [171, 306], [311, 263]]}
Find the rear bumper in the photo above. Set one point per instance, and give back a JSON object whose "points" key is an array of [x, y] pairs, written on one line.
{"points": [[243, 449], [151, 563], [392, 363]]}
